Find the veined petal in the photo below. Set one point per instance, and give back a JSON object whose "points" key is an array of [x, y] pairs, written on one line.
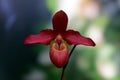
{"points": [[43, 37], [60, 21], [74, 37]]}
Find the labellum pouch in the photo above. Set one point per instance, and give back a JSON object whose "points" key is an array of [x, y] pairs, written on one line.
{"points": [[59, 53]]}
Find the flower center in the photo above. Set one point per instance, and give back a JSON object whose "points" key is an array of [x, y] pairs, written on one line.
{"points": [[59, 39], [60, 43]]}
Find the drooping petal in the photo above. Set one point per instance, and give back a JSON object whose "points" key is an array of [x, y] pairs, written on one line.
{"points": [[74, 37], [59, 54], [60, 21], [43, 37]]}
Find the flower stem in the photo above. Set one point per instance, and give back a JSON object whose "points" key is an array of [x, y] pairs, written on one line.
{"points": [[63, 69]]}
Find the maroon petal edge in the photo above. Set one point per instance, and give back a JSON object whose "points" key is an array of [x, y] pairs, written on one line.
{"points": [[75, 38], [43, 37]]}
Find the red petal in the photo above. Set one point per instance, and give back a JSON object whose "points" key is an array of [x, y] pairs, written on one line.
{"points": [[60, 21], [59, 54], [74, 37], [43, 37]]}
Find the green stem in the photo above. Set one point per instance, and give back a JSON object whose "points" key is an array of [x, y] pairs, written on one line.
{"points": [[63, 69]]}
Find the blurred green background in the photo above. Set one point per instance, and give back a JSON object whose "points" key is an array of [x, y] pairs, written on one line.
{"points": [[97, 19]]}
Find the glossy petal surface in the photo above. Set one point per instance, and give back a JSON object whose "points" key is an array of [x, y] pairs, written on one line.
{"points": [[43, 37], [60, 21], [74, 37]]}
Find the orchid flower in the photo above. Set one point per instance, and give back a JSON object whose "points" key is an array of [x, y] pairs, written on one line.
{"points": [[59, 38]]}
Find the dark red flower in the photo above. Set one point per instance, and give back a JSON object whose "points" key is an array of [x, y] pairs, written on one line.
{"points": [[59, 38]]}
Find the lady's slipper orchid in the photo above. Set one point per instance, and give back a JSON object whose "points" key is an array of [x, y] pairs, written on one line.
{"points": [[59, 38]]}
